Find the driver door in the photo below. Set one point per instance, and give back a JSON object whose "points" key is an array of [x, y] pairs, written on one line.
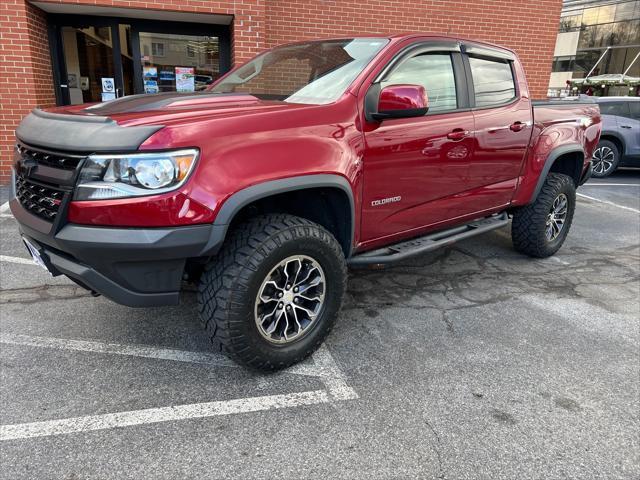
{"points": [[416, 169]]}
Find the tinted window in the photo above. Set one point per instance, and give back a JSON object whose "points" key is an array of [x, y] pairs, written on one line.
{"points": [[615, 108], [492, 81], [635, 109], [434, 71]]}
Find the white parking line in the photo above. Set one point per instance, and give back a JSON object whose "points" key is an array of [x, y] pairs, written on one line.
{"points": [[323, 367], [117, 349], [4, 208], [611, 185], [163, 414], [607, 202], [20, 260]]}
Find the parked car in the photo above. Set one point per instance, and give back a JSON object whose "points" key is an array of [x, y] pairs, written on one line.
{"points": [[620, 140], [309, 158]]}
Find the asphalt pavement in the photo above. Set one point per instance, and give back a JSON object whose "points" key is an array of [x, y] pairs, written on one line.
{"points": [[471, 362]]}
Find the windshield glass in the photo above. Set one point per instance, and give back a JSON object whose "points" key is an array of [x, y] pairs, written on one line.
{"points": [[314, 72]]}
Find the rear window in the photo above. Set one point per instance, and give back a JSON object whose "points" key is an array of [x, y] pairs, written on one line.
{"points": [[492, 81]]}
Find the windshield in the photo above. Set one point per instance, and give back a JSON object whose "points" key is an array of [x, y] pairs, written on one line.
{"points": [[314, 72]]}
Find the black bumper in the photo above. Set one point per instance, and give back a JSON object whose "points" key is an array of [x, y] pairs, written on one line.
{"points": [[132, 266]]}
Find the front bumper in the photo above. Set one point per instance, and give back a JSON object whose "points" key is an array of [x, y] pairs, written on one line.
{"points": [[131, 266]]}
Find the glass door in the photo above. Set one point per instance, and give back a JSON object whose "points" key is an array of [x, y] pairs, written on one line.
{"points": [[172, 62], [97, 59], [88, 57]]}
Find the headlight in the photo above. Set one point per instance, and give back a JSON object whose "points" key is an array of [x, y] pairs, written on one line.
{"points": [[133, 174]]}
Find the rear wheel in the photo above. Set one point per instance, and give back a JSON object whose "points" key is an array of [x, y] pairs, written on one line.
{"points": [[540, 228], [605, 159], [271, 296]]}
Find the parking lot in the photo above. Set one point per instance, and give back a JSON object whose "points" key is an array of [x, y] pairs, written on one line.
{"points": [[471, 362]]}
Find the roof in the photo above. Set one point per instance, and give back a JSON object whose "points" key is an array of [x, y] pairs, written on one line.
{"points": [[617, 99]]}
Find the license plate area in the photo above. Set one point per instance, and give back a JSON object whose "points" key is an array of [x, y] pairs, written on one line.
{"points": [[38, 255]]}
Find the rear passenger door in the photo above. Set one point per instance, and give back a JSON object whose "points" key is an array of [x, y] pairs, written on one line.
{"points": [[503, 125]]}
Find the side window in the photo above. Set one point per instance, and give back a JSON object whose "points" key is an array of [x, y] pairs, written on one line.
{"points": [[492, 81], [635, 110], [621, 109], [434, 71]]}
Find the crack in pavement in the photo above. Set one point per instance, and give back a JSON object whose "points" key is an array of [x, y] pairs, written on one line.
{"points": [[436, 447], [40, 293]]}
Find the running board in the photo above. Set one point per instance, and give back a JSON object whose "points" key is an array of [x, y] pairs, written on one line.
{"points": [[409, 248]]}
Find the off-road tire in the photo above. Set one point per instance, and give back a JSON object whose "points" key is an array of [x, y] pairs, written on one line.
{"points": [[528, 228], [613, 148], [230, 283]]}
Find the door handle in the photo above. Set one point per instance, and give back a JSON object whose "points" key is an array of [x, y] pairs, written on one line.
{"points": [[625, 126], [517, 126], [457, 134]]}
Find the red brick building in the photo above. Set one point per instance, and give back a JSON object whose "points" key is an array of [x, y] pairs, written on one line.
{"points": [[62, 51]]}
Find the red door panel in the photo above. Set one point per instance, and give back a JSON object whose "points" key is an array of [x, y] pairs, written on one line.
{"points": [[410, 163], [502, 135]]}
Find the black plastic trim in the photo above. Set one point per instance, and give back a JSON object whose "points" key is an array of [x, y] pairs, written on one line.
{"points": [[81, 133], [586, 175], [95, 281], [551, 158], [244, 197], [137, 267], [405, 249]]}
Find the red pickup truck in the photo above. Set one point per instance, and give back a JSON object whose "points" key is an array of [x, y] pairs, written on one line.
{"points": [[309, 158]]}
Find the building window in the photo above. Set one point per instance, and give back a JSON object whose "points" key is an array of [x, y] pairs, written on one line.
{"points": [[563, 64], [570, 23], [492, 81], [157, 49], [191, 51]]}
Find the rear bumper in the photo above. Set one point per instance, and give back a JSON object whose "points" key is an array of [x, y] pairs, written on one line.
{"points": [[131, 266]]}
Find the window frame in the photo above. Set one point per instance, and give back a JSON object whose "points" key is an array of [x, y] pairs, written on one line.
{"points": [[487, 54], [164, 51], [421, 48]]}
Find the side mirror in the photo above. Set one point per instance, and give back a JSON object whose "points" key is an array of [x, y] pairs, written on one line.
{"points": [[402, 101]]}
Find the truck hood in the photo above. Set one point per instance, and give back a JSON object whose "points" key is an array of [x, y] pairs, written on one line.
{"points": [[124, 124], [164, 108]]}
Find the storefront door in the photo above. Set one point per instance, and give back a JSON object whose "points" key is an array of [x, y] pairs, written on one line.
{"points": [[98, 58]]}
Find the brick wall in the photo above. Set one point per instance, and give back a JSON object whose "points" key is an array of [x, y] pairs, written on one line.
{"points": [[528, 27], [25, 71]]}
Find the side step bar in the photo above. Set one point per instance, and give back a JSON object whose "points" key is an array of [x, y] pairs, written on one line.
{"points": [[409, 248]]}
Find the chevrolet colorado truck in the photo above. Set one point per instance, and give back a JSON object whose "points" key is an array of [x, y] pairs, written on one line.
{"points": [[312, 157]]}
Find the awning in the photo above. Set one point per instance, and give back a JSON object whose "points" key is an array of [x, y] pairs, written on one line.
{"points": [[608, 79]]}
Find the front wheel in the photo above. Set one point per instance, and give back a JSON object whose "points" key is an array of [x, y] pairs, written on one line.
{"points": [[540, 228], [271, 296]]}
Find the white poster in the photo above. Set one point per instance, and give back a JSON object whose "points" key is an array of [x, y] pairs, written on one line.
{"points": [[185, 79], [108, 85]]}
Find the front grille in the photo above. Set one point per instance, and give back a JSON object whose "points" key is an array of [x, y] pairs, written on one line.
{"points": [[43, 201], [55, 160]]}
